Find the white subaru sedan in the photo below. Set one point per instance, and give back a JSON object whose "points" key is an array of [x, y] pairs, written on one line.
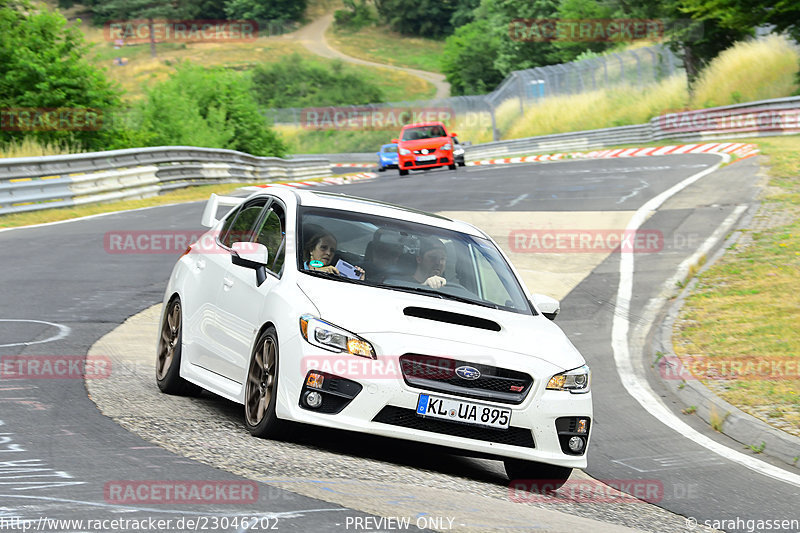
{"points": [[349, 313]]}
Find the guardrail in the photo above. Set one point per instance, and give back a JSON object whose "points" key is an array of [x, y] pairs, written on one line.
{"points": [[778, 116], [28, 184]]}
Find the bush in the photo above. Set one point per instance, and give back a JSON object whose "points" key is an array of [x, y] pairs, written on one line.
{"points": [[212, 108], [300, 83], [357, 15]]}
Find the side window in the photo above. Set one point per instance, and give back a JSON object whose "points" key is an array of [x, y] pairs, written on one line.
{"points": [[241, 228], [272, 234]]}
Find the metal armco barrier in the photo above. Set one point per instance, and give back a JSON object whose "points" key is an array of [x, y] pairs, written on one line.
{"points": [[28, 184], [779, 116]]}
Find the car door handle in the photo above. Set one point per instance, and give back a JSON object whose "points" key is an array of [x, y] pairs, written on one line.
{"points": [[227, 282]]}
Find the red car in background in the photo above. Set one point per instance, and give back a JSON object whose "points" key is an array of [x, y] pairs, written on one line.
{"points": [[424, 145]]}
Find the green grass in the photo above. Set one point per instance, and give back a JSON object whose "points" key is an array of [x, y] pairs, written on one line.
{"points": [[745, 307], [143, 71], [381, 45]]}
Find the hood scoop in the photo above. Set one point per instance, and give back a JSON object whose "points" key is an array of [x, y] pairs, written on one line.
{"points": [[451, 318]]}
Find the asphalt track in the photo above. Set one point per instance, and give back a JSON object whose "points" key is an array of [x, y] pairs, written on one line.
{"points": [[58, 454]]}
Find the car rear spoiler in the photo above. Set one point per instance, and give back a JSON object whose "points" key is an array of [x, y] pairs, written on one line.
{"points": [[210, 212]]}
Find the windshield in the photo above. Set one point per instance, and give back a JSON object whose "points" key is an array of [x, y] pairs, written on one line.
{"points": [[423, 132], [359, 248], [390, 149]]}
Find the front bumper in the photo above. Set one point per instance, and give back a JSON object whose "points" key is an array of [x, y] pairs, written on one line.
{"points": [[385, 405]]}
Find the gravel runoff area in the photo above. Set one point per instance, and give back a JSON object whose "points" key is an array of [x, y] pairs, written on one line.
{"points": [[370, 474]]}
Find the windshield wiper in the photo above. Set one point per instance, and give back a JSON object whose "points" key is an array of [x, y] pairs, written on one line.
{"points": [[443, 295]]}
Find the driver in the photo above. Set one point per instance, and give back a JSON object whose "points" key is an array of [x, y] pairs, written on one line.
{"points": [[431, 261]]}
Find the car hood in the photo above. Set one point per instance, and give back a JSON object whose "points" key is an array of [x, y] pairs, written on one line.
{"points": [[418, 144], [372, 311]]}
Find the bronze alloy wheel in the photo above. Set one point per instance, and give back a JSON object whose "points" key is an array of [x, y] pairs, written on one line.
{"points": [[170, 339], [168, 356], [261, 381]]}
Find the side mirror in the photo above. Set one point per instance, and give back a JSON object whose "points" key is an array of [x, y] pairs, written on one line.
{"points": [[453, 134], [395, 141], [251, 255], [548, 306]]}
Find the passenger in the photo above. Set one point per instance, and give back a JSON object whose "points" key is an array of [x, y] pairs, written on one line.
{"points": [[431, 261], [319, 251]]}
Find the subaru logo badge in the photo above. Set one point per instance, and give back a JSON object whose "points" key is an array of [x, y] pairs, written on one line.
{"points": [[468, 372]]}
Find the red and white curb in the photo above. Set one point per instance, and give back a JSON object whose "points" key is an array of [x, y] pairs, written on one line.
{"points": [[352, 165], [332, 180], [741, 150]]}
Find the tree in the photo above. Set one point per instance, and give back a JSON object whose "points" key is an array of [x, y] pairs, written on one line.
{"points": [[424, 18], [468, 59], [44, 69], [744, 15], [264, 11], [213, 108]]}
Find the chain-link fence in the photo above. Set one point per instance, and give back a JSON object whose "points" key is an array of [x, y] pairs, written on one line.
{"points": [[638, 68]]}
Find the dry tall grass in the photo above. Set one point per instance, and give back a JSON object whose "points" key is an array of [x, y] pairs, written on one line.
{"points": [[30, 147], [619, 106], [749, 71]]}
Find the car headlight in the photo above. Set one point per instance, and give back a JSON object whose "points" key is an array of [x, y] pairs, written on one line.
{"points": [[403, 151], [330, 337], [576, 381], [458, 151], [447, 146]]}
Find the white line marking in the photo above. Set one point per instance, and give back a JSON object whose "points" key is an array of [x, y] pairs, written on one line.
{"points": [[63, 331], [636, 385]]}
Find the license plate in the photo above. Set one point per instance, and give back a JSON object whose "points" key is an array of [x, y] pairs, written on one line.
{"points": [[426, 158], [475, 414]]}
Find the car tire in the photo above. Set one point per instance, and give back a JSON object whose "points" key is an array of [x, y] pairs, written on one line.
{"points": [[403, 172], [261, 388], [452, 167], [462, 164], [381, 169], [539, 477], [168, 354]]}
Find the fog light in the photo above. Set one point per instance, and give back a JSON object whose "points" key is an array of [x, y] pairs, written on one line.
{"points": [[581, 428], [575, 443], [314, 400]]}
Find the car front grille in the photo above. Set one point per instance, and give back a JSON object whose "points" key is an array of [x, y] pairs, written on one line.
{"points": [[408, 418], [439, 374]]}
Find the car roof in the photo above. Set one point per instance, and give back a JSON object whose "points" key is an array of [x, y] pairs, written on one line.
{"points": [[331, 200]]}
